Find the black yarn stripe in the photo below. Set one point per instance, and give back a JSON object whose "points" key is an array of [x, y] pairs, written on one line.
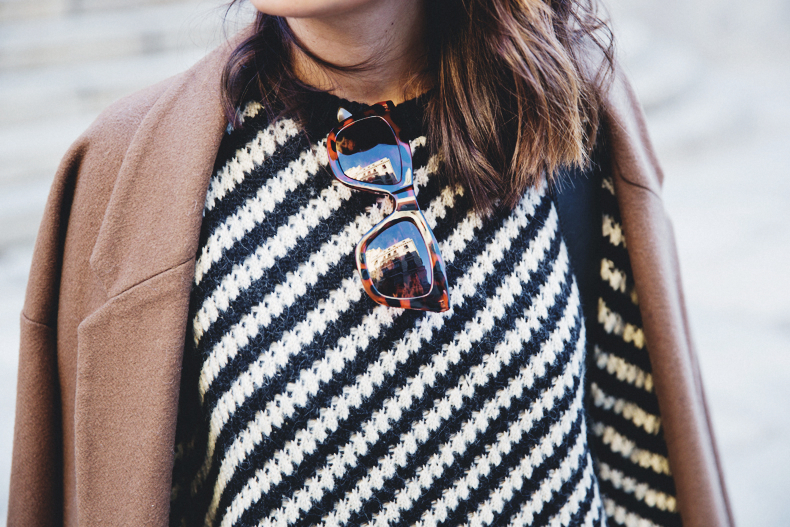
{"points": [[611, 341], [257, 177], [290, 263], [234, 139], [622, 389], [585, 505], [622, 305], [539, 474], [609, 203], [506, 416], [647, 441], [639, 507], [441, 335], [483, 394], [604, 453], [553, 507], [242, 248], [336, 329], [621, 261], [618, 255], [252, 123], [289, 428]]}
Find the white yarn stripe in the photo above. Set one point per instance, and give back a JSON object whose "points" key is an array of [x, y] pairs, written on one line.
{"points": [[641, 491], [270, 361], [620, 444], [623, 370], [594, 514], [613, 231], [515, 479], [614, 323], [248, 157], [354, 395], [613, 276], [629, 410], [254, 210], [472, 428], [623, 516], [434, 418], [617, 280], [351, 289], [320, 262], [608, 184], [565, 514], [251, 110], [370, 327]]}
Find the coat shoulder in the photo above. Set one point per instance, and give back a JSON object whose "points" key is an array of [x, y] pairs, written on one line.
{"points": [[115, 128], [626, 137]]}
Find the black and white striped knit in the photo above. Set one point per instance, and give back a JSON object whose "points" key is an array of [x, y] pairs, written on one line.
{"points": [[625, 425], [305, 403]]}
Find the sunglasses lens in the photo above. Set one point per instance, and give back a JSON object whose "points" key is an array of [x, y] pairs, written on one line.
{"points": [[367, 151], [399, 263]]}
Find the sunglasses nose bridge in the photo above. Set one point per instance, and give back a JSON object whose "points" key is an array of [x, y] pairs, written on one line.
{"points": [[405, 199]]}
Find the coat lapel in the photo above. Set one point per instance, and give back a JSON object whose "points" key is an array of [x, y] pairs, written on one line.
{"points": [[153, 218], [130, 349]]}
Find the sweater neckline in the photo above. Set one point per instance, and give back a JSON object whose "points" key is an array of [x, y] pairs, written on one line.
{"points": [[320, 112]]}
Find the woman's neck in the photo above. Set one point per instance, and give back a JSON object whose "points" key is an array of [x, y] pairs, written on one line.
{"points": [[387, 37]]}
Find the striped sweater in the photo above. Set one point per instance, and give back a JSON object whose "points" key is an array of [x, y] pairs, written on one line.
{"points": [[305, 403]]}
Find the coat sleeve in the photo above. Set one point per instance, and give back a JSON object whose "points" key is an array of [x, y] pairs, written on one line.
{"points": [[36, 497], [42, 476], [702, 497]]}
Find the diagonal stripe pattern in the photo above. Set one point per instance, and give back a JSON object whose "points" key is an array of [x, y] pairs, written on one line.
{"points": [[625, 432], [305, 403]]}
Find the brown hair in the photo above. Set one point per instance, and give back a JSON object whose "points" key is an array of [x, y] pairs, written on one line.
{"points": [[513, 98]]}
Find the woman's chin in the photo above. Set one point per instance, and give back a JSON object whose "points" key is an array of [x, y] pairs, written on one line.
{"points": [[309, 8]]}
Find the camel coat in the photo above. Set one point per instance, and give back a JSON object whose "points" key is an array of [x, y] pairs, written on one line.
{"points": [[105, 316]]}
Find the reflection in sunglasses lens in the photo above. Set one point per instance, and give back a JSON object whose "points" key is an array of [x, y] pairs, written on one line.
{"points": [[399, 263], [367, 151]]}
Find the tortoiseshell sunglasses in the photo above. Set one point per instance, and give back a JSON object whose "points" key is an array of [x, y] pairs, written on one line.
{"points": [[398, 259]]}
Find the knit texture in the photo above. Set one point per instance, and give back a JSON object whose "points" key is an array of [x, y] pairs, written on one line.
{"points": [[625, 423], [304, 402]]}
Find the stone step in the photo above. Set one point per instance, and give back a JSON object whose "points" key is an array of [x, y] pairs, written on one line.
{"points": [[27, 9], [102, 35], [57, 75], [29, 156], [67, 90]]}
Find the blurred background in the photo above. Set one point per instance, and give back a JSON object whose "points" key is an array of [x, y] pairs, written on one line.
{"points": [[714, 78]]}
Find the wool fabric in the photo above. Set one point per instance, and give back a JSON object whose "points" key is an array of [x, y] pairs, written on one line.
{"points": [[305, 403]]}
